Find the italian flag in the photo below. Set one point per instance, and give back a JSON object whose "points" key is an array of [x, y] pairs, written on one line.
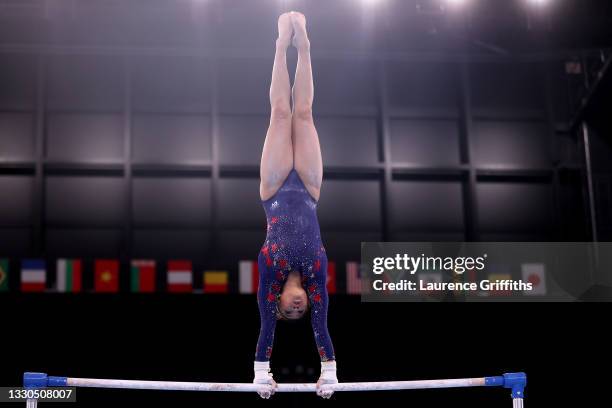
{"points": [[33, 275], [248, 276], [69, 273], [4, 268], [215, 282], [180, 277], [143, 276]]}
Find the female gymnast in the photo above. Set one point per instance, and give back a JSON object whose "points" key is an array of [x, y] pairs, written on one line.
{"points": [[292, 260]]}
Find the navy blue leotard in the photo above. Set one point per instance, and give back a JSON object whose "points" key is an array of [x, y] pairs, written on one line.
{"points": [[293, 243]]}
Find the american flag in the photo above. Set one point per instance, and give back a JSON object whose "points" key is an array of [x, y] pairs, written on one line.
{"points": [[353, 278]]}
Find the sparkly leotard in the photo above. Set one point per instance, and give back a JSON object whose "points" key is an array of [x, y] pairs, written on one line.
{"points": [[293, 243]]}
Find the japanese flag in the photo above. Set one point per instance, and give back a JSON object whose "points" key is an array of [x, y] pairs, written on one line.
{"points": [[535, 274]]}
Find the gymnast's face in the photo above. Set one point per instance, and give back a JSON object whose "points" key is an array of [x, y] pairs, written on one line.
{"points": [[293, 302]]}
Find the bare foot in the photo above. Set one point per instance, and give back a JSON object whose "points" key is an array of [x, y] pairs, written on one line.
{"points": [[285, 29], [300, 36]]}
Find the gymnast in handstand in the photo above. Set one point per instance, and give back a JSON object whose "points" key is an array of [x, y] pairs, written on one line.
{"points": [[292, 261]]}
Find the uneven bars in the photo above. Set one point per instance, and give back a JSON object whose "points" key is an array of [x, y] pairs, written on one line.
{"points": [[514, 381]]}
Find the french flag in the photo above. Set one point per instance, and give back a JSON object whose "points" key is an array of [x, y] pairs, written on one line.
{"points": [[33, 275]]}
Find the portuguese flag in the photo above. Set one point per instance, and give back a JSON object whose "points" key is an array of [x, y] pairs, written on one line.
{"points": [[4, 268], [143, 276], [106, 277], [215, 281], [69, 273]]}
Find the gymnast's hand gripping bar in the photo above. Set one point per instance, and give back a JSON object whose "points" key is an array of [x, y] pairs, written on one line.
{"points": [[515, 381]]}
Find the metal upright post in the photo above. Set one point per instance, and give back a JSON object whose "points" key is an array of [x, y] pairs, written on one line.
{"points": [[38, 216], [591, 199], [589, 174], [469, 184], [514, 381], [127, 161], [384, 144]]}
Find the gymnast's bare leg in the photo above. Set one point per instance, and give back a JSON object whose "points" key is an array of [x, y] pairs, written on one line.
{"points": [[306, 149], [277, 155]]}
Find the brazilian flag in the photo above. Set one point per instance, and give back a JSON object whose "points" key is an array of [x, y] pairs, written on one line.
{"points": [[4, 275]]}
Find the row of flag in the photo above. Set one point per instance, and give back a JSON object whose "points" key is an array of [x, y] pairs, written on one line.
{"points": [[180, 277], [144, 276]]}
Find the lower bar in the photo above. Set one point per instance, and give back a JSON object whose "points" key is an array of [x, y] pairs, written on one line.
{"points": [[514, 381], [295, 387]]}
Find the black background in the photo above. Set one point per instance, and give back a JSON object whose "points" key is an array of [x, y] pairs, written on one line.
{"points": [[561, 347]]}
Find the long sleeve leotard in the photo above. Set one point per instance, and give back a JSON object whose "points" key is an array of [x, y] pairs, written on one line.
{"points": [[293, 243]]}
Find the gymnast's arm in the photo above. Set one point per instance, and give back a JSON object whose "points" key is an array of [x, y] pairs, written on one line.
{"points": [[319, 299], [267, 298]]}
